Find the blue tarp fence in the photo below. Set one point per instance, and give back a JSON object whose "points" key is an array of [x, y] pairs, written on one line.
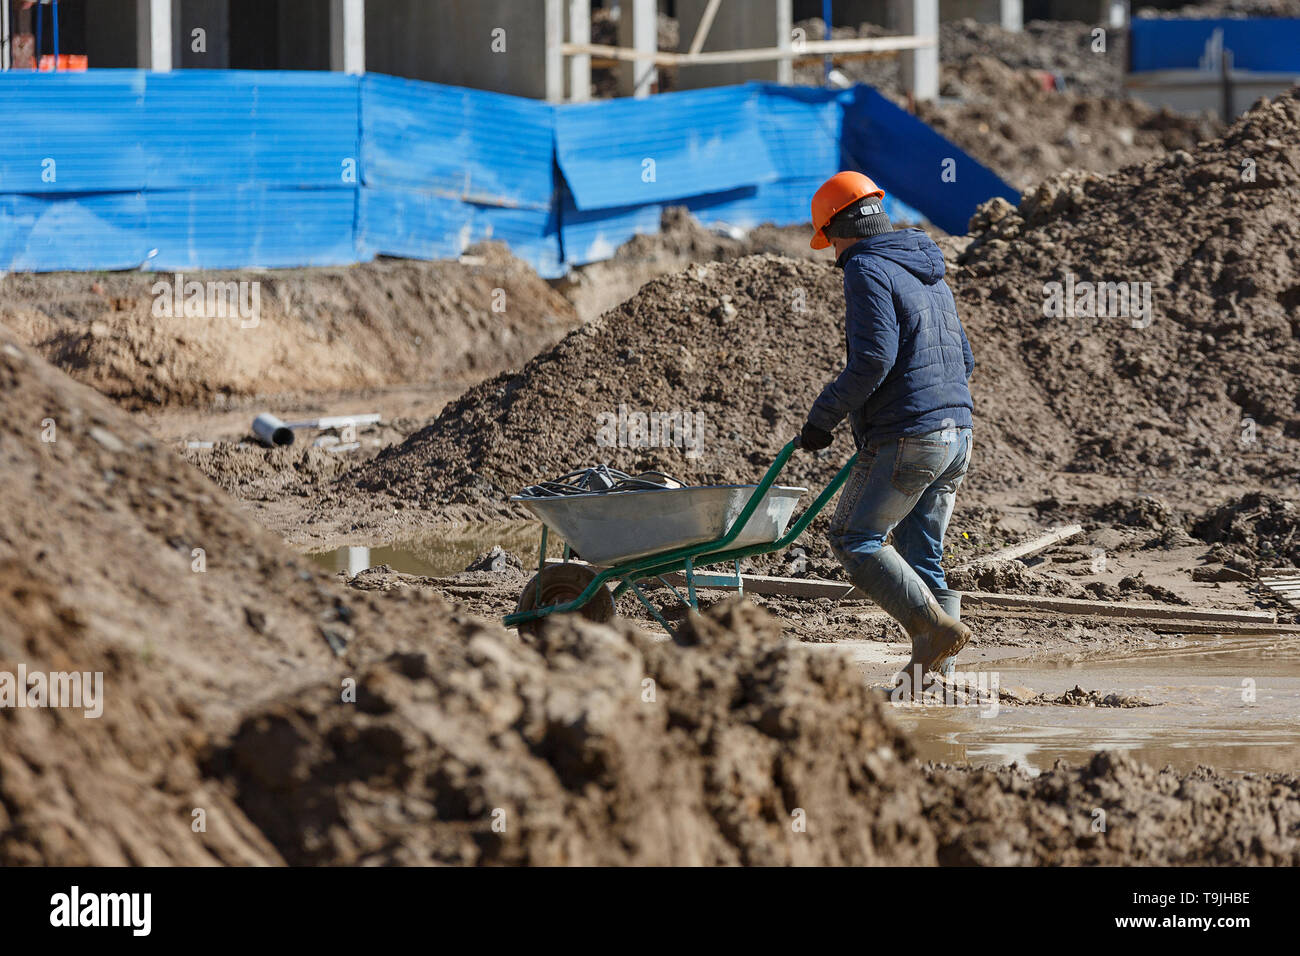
{"points": [[1263, 44], [126, 169]]}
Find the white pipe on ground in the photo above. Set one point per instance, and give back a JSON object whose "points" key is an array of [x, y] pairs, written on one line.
{"points": [[271, 431]]}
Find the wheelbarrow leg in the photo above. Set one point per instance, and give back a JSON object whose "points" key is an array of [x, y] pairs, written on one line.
{"points": [[690, 585], [541, 554], [631, 585]]}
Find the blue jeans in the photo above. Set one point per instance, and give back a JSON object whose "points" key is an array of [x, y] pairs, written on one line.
{"points": [[907, 486]]}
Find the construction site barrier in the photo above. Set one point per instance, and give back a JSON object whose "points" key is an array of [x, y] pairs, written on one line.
{"points": [[127, 169], [1263, 44]]}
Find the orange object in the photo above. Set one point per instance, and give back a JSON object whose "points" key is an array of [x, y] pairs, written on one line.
{"points": [[68, 63], [838, 192]]}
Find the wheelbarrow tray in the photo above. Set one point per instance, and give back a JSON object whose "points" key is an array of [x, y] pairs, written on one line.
{"points": [[613, 527]]}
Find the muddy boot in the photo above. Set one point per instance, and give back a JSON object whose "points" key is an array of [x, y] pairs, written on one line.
{"points": [[950, 601], [890, 581]]}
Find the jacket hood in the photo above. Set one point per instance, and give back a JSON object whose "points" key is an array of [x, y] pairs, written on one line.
{"points": [[910, 248]]}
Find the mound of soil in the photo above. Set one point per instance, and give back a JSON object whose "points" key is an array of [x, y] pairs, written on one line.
{"points": [[1061, 48], [742, 348], [380, 323], [1136, 511], [1064, 49], [255, 473], [595, 747], [117, 559], [1008, 120], [746, 345], [1206, 384], [598, 746], [1011, 577], [1256, 530], [600, 286]]}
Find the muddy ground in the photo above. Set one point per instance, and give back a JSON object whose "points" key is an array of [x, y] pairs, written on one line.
{"points": [[302, 721]]}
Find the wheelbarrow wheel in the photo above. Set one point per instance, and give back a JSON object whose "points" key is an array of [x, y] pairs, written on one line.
{"points": [[559, 584]]}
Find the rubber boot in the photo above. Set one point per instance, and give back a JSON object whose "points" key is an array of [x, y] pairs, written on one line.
{"points": [[890, 581], [950, 601]]}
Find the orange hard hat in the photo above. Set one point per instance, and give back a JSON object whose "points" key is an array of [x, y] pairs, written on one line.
{"points": [[838, 192]]}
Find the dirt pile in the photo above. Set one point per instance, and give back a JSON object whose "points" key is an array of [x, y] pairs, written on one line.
{"points": [[1253, 531], [1008, 120], [1184, 360], [595, 747], [740, 349], [1063, 49], [600, 286], [117, 560], [600, 746], [304, 330], [1066, 50], [125, 566], [255, 473]]}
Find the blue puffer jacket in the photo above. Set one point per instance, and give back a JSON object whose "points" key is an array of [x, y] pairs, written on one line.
{"points": [[908, 356]]}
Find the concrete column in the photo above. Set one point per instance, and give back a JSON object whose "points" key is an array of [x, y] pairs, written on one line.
{"points": [[920, 68], [348, 36], [5, 60], [638, 27], [154, 35], [1012, 14], [580, 66], [784, 27]]}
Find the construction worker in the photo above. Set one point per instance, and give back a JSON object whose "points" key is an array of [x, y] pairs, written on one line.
{"points": [[904, 390]]}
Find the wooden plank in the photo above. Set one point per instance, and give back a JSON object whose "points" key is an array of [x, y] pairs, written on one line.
{"points": [[1158, 625], [838, 591], [1026, 548], [806, 49], [1113, 609]]}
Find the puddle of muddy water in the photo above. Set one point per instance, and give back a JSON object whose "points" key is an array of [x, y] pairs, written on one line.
{"points": [[440, 554], [1232, 703]]}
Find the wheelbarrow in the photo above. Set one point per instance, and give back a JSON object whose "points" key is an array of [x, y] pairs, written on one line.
{"points": [[633, 537]]}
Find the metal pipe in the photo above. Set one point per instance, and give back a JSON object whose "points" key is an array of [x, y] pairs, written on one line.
{"points": [[826, 35], [271, 431]]}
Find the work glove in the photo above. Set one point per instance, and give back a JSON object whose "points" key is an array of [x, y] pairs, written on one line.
{"points": [[813, 438]]}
